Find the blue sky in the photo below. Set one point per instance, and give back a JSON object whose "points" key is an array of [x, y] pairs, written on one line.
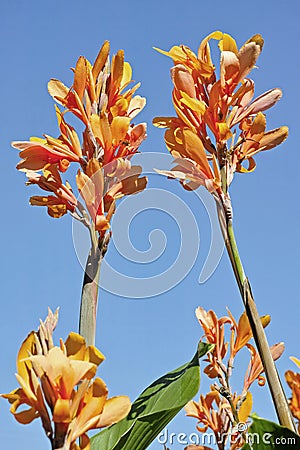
{"points": [[142, 339]]}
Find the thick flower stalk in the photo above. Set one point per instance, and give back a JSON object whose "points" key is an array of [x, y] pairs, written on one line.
{"points": [[222, 410], [57, 385], [217, 131], [103, 98]]}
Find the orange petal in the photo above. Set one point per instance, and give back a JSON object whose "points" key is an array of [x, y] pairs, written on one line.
{"points": [[196, 151], [100, 60], [115, 409], [80, 77], [273, 138]]}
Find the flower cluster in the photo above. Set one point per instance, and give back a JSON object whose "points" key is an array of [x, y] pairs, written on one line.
{"points": [[102, 98], [221, 409], [293, 380], [58, 385], [218, 124]]}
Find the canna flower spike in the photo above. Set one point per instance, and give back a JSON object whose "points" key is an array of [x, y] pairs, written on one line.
{"points": [[102, 97], [218, 124], [217, 130], [57, 385], [222, 409]]}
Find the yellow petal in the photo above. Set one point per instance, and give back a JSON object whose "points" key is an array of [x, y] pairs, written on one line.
{"points": [[94, 355], [295, 360], [224, 131], [176, 53], [127, 74], [227, 43], [193, 103], [61, 412], [27, 348], [246, 408], [75, 346], [217, 35], [96, 129], [119, 128], [120, 107], [265, 320]]}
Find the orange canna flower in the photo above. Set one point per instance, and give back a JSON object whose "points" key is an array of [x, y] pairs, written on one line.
{"points": [[58, 204], [101, 97], [255, 368], [98, 97], [241, 332], [206, 105], [212, 411], [293, 380], [222, 409], [57, 385], [120, 179]]}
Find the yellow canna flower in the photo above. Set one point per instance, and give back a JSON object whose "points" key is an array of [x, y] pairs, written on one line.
{"points": [[57, 384]]}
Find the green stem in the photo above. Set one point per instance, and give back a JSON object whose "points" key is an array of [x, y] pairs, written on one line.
{"points": [[89, 297], [276, 389], [90, 289]]}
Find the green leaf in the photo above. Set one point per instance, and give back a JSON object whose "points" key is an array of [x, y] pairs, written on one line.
{"points": [[154, 408], [265, 435]]}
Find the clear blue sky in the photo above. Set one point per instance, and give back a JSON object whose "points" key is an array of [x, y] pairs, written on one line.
{"points": [[142, 339]]}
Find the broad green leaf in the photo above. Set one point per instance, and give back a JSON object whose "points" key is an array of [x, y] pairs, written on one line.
{"points": [[265, 435], [154, 408]]}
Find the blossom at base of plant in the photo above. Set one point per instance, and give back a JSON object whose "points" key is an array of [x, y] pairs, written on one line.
{"points": [[293, 380], [222, 408], [102, 97], [218, 123], [57, 385]]}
